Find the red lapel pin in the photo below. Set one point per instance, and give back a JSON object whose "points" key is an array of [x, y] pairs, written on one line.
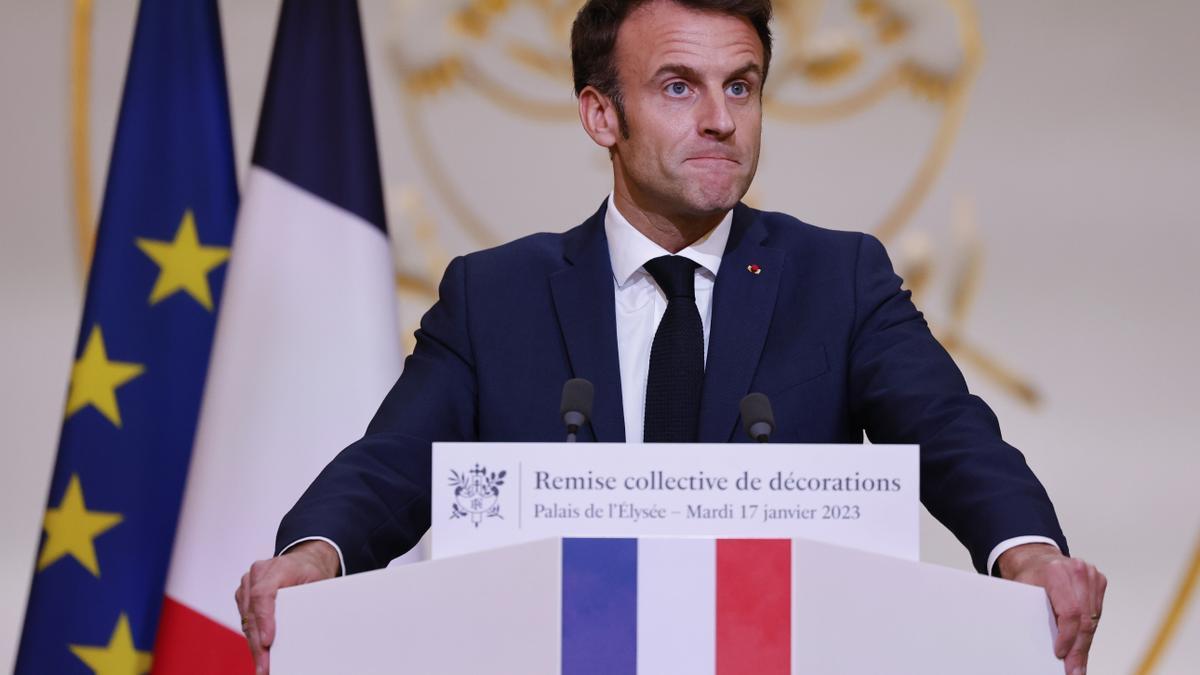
{"points": [[753, 269]]}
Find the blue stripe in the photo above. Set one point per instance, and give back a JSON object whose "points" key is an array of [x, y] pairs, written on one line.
{"points": [[316, 129], [599, 605]]}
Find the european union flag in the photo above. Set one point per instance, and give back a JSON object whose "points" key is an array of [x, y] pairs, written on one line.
{"points": [[134, 396]]}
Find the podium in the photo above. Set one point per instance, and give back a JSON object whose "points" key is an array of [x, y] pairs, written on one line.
{"points": [[665, 605]]}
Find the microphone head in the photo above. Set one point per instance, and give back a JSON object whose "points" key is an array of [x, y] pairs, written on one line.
{"points": [[757, 417], [576, 406]]}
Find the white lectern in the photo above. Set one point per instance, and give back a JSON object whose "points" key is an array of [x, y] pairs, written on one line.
{"points": [[665, 605]]}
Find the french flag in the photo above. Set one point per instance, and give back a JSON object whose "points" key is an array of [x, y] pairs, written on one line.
{"points": [[307, 342], [692, 606]]}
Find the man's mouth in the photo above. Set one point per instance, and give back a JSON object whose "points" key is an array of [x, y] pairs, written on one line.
{"points": [[713, 159]]}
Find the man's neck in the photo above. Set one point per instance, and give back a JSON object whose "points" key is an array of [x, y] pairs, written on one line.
{"points": [[672, 232]]}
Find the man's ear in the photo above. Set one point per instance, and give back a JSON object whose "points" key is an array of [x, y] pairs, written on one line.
{"points": [[598, 114]]}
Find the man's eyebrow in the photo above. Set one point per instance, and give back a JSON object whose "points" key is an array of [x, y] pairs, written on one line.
{"points": [[689, 73], [678, 70], [747, 69]]}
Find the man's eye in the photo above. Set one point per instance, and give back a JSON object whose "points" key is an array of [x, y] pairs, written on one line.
{"points": [[677, 89], [739, 89]]}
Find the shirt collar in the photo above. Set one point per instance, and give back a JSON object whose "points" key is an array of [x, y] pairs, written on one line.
{"points": [[629, 249]]}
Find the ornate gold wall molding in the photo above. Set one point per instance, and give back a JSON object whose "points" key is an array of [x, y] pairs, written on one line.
{"points": [[1168, 628], [461, 66], [81, 155]]}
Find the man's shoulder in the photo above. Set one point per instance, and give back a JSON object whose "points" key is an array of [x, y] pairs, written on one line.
{"points": [[789, 232], [542, 252], [537, 248]]}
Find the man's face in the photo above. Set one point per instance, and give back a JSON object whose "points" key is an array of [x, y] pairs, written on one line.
{"points": [[691, 84]]}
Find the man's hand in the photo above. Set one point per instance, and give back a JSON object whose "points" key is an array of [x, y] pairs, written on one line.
{"points": [[1076, 591], [304, 563]]}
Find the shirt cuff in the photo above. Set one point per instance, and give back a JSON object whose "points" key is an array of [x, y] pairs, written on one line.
{"points": [[996, 552], [341, 560]]}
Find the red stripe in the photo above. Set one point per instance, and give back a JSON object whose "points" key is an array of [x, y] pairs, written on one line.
{"points": [[190, 643], [754, 599]]}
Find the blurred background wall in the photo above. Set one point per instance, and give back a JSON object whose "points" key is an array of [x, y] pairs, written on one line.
{"points": [[1033, 167]]}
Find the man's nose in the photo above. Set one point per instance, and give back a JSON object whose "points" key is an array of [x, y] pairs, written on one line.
{"points": [[716, 119]]}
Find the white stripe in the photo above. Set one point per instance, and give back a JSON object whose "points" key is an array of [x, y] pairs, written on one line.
{"points": [[677, 606], [306, 347]]}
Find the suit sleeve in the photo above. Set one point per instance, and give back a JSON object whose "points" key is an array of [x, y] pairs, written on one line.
{"points": [[906, 389], [373, 498]]}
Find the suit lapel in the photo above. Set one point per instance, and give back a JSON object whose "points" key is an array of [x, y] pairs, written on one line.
{"points": [[743, 303], [584, 300]]}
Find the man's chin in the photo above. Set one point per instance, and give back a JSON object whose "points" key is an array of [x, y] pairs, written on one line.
{"points": [[715, 201]]}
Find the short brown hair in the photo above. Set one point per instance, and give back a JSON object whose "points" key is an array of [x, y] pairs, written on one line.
{"points": [[594, 39]]}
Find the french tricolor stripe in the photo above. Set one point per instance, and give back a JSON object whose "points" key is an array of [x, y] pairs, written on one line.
{"points": [[754, 598], [306, 343], [676, 606], [677, 615], [599, 608]]}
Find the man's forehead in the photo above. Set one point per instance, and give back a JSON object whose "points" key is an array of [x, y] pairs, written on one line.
{"points": [[662, 32]]}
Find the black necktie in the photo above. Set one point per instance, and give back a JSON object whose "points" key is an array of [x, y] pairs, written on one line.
{"points": [[676, 357]]}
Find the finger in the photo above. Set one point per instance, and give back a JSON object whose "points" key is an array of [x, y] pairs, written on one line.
{"points": [[1090, 582], [262, 601], [1083, 577], [241, 596], [1099, 589], [251, 624], [243, 600], [1065, 600], [1085, 580], [265, 617], [251, 631], [1076, 661]]}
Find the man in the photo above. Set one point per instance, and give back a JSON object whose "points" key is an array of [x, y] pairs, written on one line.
{"points": [[749, 301]]}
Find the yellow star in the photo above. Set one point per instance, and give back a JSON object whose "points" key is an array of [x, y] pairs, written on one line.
{"points": [[70, 529], [94, 379], [184, 263], [120, 657]]}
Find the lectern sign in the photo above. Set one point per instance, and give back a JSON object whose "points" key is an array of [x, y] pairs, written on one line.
{"points": [[494, 494]]}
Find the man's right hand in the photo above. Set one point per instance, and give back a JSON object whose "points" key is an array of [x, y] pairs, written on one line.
{"points": [[304, 563]]}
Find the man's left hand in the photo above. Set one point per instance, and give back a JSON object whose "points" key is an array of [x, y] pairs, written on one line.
{"points": [[1076, 590]]}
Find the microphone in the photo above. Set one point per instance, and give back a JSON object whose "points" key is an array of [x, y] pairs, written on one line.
{"points": [[757, 417], [576, 406]]}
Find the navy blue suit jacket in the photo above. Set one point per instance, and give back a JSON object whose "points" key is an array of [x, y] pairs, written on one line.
{"points": [[824, 330]]}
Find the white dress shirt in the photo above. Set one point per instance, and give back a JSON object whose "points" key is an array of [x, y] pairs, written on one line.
{"points": [[640, 305]]}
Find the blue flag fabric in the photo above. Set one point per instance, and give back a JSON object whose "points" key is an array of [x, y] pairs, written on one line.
{"points": [[319, 66], [147, 329]]}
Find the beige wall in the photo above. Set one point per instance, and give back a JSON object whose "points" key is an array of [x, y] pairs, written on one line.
{"points": [[1077, 162]]}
